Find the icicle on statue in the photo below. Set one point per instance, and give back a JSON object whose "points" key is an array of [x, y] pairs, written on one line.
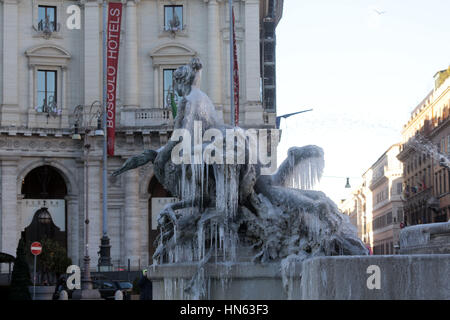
{"points": [[229, 212]]}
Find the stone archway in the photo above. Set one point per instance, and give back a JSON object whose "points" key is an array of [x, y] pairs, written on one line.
{"points": [[71, 201], [44, 191]]}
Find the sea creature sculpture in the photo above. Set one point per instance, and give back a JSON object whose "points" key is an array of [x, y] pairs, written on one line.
{"points": [[232, 211]]}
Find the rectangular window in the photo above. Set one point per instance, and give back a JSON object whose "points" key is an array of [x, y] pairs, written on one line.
{"points": [[389, 218], [444, 181], [399, 188], [46, 90], [170, 96], [46, 18], [448, 144], [173, 18]]}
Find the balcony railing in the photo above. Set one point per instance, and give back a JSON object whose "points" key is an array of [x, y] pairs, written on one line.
{"points": [[46, 27], [377, 181], [148, 117]]}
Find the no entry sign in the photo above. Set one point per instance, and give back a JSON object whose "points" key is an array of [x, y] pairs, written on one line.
{"points": [[36, 248]]}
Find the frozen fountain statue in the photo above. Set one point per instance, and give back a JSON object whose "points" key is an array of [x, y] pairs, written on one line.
{"points": [[233, 212]]}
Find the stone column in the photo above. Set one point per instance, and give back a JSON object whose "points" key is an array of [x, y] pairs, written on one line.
{"points": [[31, 87], [132, 218], [143, 203], [253, 107], [9, 105], [214, 53], [156, 87], [31, 111], [92, 52], [131, 55], [10, 232], [63, 103], [73, 240], [19, 213], [94, 206]]}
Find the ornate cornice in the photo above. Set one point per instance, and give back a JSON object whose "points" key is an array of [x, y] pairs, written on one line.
{"points": [[83, 2], [11, 1], [135, 1]]}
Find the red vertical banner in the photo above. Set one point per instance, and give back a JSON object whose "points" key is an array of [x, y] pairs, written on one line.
{"points": [[112, 62], [235, 76]]}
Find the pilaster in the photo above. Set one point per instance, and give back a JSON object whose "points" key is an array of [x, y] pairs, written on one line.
{"points": [[9, 218], [92, 52], [132, 218], [9, 105], [131, 55], [253, 106]]}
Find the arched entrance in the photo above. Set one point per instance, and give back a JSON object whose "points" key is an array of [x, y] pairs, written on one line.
{"points": [[44, 210], [159, 197]]}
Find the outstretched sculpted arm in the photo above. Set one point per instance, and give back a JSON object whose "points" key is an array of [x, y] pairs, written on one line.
{"points": [[136, 161]]}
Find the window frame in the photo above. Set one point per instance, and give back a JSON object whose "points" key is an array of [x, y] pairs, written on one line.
{"points": [[59, 16], [55, 15], [164, 106], [46, 71], [173, 7], [183, 32]]}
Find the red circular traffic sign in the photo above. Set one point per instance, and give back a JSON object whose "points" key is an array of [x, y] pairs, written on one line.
{"points": [[36, 248]]}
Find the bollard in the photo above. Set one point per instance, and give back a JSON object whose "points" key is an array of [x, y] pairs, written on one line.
{"points": [[118, 295], [63, 295]]}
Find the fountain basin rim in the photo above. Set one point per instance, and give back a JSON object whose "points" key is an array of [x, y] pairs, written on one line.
{"points": [[239, 270]]}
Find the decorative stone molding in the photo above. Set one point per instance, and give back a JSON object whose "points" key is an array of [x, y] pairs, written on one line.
{"points": [[172, 53], [83, 2], [135, 1], [68, 176], [167, 56], [160, 18], [60, 15], [48, 55], [11, 1]]}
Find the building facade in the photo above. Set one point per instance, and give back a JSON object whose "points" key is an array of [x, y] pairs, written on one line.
{"points": [[358, 206], [375, 207], [424, 153], [387, 208], [48, 69]]}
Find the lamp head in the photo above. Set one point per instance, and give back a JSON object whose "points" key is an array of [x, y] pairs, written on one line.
{"points": [[347, 185], [99, 130], [76, 135]]}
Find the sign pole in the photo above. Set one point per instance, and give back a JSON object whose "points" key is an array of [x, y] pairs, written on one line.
{"points": [[34, 279], [36, 249]]}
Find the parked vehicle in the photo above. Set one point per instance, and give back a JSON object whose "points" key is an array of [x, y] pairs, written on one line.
{"points": [[108, 288]]}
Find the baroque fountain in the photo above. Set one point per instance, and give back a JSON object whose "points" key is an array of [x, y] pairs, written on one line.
{"points": [[240, 230]]}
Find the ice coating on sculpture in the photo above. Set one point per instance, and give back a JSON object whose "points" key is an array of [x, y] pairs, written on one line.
{"points": [[230, 212]]}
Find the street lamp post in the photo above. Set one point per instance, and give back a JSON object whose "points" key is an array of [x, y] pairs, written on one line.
{"points": [[83, 121], [232, 106], [104, 262]]}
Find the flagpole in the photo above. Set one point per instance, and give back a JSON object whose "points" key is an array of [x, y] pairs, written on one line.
{"points": [[232, 111], [105, 247]]}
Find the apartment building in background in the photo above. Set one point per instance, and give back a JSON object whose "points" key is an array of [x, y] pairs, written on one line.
{"points": [[425, 143], [376, 207]]}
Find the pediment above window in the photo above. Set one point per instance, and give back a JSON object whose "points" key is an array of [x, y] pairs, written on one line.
{"points": [[172, 53], [51, 55]]}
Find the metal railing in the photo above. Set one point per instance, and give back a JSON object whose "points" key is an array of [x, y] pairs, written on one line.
{"points": [[146, 117]]}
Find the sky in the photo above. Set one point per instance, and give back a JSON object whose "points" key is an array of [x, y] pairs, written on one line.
{"points": [[361, 72]]}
